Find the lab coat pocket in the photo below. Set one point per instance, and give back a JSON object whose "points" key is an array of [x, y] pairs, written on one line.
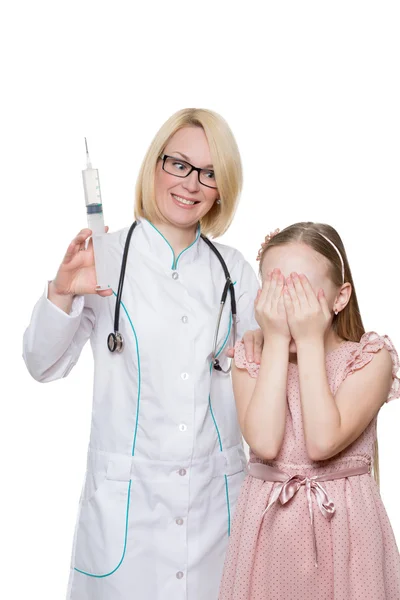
{"points": [[102, 528], [93, 481]]}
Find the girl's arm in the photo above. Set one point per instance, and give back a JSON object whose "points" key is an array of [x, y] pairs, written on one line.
{"points": [[333, 423], [330, 423], [261, 402]]}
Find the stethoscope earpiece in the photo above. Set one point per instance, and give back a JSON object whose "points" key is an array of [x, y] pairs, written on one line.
{"points": [[115, 342]]}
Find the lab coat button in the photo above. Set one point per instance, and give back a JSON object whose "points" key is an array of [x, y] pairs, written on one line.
{"points": [[185, 319], [182, 427], [179, 575], [175, 275], [185, 376], [182, 472], [179, 521]]}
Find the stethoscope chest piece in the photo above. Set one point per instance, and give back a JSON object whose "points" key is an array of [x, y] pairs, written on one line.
{"points": [[115, 342]]}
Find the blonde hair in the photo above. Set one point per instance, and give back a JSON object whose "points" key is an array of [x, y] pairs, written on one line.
{"points": [[348, 323], [226, 165]]}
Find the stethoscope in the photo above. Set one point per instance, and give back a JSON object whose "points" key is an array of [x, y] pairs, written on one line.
{"points": [[115, 341]]}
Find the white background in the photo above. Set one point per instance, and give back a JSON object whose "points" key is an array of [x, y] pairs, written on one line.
{"points": [[311, 91]]}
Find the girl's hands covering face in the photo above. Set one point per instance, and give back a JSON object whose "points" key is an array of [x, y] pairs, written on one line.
{"points": [[308, 315]]}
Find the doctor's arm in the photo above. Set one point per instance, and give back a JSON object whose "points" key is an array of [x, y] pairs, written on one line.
{"points": [[54, 339], [62, 321]]}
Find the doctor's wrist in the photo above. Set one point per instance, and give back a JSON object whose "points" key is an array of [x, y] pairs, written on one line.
{"points": [[62, 301]]}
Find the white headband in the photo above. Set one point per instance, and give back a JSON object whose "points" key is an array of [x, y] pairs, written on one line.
{"points": [[337, 250], [269, 237]]}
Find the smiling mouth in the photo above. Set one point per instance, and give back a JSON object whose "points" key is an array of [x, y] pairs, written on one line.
{"points": [[184, 200]]}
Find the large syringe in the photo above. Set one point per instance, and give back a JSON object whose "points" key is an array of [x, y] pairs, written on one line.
{"points": [[95, 219]]}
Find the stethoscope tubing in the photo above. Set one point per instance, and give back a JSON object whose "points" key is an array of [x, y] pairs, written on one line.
{"points": [[115, 341]]}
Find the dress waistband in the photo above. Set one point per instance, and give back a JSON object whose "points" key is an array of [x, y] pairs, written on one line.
{"points": [[287, 486]]}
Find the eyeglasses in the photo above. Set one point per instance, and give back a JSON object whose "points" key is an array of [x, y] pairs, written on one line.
{"points": [[181, 168]]}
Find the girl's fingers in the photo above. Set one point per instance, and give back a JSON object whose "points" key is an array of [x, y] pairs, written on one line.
{"points": [[299, 289], [308, 291], [281, 303], [288, 302], [292, 292], [278, 290], [264, 290], [257, 298], [271, 290], [324, 303]]}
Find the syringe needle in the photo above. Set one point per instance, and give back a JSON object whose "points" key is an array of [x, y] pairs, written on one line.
{"points": [[87, 155]]}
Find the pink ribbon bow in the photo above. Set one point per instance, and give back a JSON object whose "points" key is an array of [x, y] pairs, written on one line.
{"points": [[287, 487], [286, 490]]}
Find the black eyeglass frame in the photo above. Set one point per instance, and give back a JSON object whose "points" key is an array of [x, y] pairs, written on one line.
{"points": [[164, 157]]}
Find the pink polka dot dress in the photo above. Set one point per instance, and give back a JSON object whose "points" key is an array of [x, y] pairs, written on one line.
{"points": [[319, 539]]}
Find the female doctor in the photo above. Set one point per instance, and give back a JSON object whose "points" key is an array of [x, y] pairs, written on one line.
{"points": [[165, 459]]}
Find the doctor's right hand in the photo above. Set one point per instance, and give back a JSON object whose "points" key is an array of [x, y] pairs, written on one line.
{"points": [[76, 275]]}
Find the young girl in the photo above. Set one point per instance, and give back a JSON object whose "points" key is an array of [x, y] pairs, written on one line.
{"points": [[310, 523]]}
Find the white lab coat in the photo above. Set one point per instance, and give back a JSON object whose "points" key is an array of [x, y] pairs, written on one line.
{"points": [[165, 459]]}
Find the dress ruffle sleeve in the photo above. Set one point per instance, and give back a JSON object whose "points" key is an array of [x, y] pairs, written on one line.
{"points": [[369, 345], [242, 363]]}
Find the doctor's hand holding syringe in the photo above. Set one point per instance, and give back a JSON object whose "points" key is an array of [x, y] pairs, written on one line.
{"points": [[82, 270], [76, 275]]}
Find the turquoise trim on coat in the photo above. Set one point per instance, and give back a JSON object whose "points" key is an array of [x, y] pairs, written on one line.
{"points": [[228, 506], [192, 244], [139, 378], [125, 542], [175, 260], [133, 453]]}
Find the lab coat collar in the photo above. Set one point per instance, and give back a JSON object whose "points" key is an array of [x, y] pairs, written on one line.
{"points": [[149, 239]]}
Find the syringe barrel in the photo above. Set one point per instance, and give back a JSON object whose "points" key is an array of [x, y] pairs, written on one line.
{"points": [[100, 261], [95, 220], [91, 185]]}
